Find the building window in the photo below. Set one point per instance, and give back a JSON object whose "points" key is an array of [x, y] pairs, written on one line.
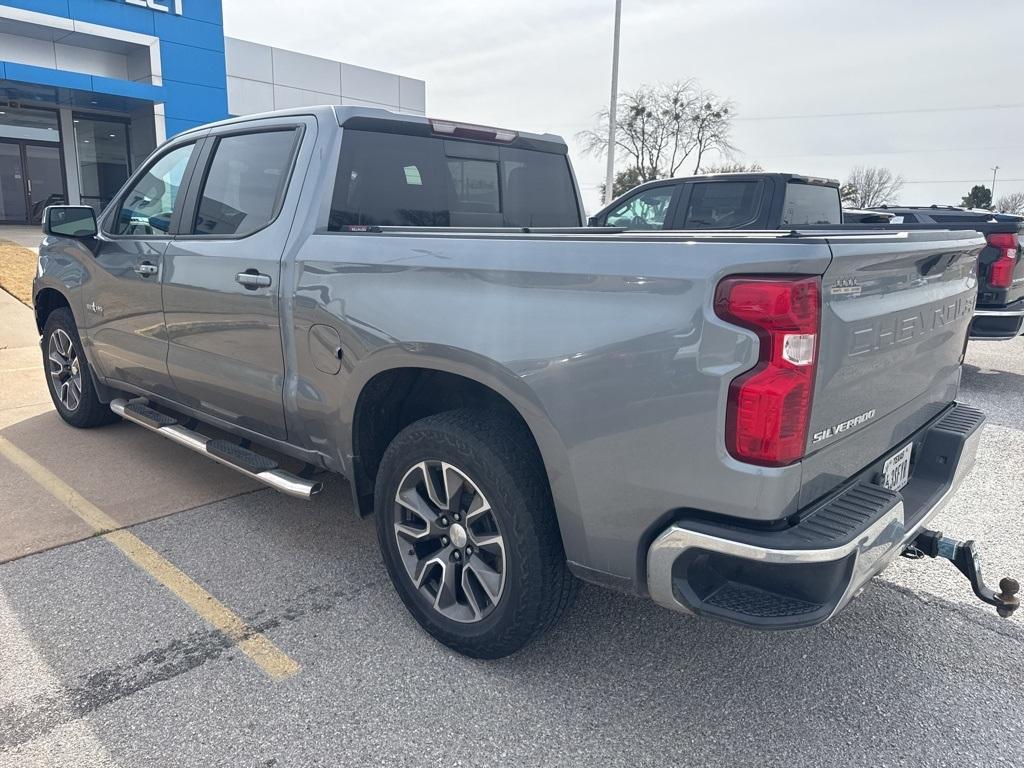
{"points": [[29, 124], [103, 158]]}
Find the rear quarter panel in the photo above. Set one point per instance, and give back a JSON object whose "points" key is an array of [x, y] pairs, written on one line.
{"points": [[606, 345]]}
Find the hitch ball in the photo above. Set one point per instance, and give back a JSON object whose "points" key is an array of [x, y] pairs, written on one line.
{"points": [[1008, 597]]}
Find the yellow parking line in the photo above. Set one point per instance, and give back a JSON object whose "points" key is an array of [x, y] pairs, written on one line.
{"points": [[264, 653]]}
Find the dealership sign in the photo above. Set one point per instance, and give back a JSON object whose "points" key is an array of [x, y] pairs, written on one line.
{"points": [[166, 6]]}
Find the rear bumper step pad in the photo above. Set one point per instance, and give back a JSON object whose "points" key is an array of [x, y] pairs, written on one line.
{"points": [[259, 467], [802, 575]]}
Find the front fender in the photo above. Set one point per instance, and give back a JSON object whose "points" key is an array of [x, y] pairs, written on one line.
{"points": [[61, 267]]}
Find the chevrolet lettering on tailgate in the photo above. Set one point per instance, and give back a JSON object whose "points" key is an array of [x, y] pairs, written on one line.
{"points": [[897, 329]]}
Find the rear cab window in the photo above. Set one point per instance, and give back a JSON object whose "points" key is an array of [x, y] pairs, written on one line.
{"points": [[724, 204], [391, 179], [810, 204]]}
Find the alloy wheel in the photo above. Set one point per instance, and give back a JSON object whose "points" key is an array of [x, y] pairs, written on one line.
{"points": [[65, 369], [449, 541]]}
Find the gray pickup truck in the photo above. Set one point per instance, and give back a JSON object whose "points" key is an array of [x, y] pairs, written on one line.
{"points": [[748, 426]]}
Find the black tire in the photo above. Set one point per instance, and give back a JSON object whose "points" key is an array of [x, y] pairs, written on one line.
{"points": [[500, 460], [88, 411]]}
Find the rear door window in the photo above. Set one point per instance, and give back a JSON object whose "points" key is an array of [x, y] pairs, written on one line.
{"points": [[724, 204], [644, 210], [810, 204], [389, 179], [245, 183]]}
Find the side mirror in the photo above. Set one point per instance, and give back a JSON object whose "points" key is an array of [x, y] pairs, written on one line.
{"points": [[77, 221]]}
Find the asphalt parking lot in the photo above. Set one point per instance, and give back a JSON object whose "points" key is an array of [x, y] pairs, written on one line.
{"points": [[109, 657]]}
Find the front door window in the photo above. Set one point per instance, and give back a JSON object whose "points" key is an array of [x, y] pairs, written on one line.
{"points": [[149, 204], [646, 210]]}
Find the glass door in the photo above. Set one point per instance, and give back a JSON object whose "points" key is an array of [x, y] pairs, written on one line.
{"points": [[13, 202], [45, 179]]}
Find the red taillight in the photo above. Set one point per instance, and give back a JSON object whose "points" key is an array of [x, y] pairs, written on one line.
{"points": [[1000, 272], [770, 406]]}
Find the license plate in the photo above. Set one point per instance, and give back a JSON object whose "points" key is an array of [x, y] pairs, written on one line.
{"points": [[896, 470]]}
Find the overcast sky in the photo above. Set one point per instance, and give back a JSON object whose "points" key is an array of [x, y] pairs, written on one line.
{"points": [[948, 74]]}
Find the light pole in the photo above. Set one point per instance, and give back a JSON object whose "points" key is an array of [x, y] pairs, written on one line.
{"points": [[994, 170], [609, 178]]}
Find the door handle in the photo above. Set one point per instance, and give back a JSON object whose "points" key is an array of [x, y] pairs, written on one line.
{"points": [[252, 279], [147, 268]]}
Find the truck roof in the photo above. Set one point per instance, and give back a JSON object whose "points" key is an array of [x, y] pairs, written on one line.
{"points": [[744, 176], [384, 120], [932, 207]]}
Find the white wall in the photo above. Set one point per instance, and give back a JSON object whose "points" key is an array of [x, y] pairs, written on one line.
{"points": [[72, 58], [261, 78]]}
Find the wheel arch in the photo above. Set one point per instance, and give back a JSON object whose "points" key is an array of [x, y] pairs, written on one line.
{"points": [[439, 380], [45, 301]]}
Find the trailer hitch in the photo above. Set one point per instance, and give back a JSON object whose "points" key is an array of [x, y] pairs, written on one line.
{"points": [[964, 555]]}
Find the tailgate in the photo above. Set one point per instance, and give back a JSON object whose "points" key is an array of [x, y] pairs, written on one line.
{"points": [[895, 312]]}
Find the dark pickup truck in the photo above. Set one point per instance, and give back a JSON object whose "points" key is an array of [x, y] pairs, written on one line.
{"points": [[999, 315], [773, 201], [726, 201]]}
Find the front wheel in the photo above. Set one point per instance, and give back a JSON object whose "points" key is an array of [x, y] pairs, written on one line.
{"points": [[468, 533], [68, 376]]}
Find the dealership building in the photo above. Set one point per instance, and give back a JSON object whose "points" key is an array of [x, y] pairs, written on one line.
{"points": [[88, 88]]}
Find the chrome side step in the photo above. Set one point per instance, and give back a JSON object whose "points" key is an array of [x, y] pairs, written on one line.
{"points": [[240, 459]]}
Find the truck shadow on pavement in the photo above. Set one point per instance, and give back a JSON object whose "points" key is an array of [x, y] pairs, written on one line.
{"points": [[991, 380], [999, 393], [619, 677]]}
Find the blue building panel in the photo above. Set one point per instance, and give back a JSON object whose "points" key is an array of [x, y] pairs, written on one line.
{"points": [[174, 125], [188, 64], [51, 7], [127, 88], [26, 73], [180, 29], [205, 10], [189, 101], [113, 13]]}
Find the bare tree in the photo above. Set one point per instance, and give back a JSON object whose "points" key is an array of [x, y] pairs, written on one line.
{"points": [[734, 166], [870, 187], [712, 124], [1011, 203], [659, 127]]}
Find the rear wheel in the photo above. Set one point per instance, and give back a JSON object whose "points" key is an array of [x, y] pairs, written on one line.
{"points": [[68, 376], [468, 532]]}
